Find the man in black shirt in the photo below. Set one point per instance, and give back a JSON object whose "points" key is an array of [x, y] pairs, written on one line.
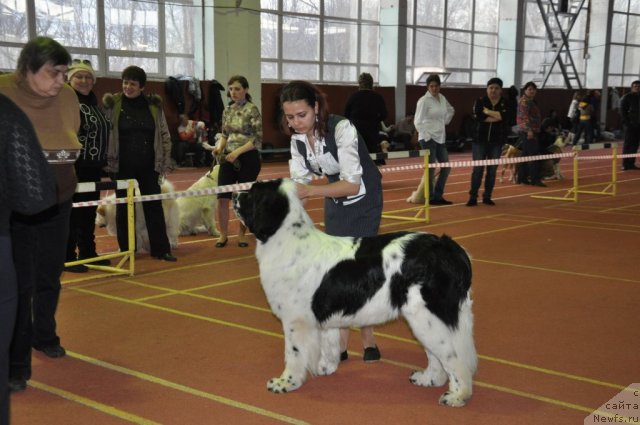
{"points": [[366, 110], [630, 111]]}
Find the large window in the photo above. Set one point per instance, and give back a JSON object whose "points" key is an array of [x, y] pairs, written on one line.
{"points": [[624, 58], [111, 33], [328, 41], [540, 49], [457, 38]]}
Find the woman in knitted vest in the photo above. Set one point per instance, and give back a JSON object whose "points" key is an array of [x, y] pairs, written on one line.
{"points": [[94, 135]]}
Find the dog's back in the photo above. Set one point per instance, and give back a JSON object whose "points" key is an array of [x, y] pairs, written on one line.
{"points": [[437, 265]]}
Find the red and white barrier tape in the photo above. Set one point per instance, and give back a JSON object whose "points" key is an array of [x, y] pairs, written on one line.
{"points": [[172, 195], [246, 186]]}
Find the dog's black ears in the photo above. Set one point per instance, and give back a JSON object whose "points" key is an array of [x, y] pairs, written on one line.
{"points": [[270, 208]]}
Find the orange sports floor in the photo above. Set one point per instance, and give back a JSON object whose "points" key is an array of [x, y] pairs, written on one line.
{"points": [[556, 289]]}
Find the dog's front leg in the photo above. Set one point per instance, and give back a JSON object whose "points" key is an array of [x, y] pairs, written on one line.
{"points": [[556, 169], [329, 351], [301, 350]]}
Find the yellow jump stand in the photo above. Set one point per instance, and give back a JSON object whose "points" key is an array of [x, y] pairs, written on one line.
{"points": [[610, 186], [424, 209], [126, 263], [572, 193]]}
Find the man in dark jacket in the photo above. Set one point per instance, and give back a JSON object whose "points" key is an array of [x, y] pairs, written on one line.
{"points": [[492, 125], [366, 110], [630, 111]]}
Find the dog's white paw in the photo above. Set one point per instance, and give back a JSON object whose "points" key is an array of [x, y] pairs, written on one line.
{"points": [[282, 385], [429, 378], [327, 367], [451, 399]]}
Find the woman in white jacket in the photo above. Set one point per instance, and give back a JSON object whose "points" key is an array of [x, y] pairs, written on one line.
{"points": [[433, 113]]}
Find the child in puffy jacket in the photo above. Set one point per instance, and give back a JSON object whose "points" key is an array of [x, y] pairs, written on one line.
{"points": [[584, 121]]}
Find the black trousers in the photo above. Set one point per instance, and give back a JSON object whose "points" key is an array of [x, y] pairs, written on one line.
{"points": [[82, 223], [529, 171], [248, 170], [153, 214], [8, 304], [39, 243], [631, 143]]}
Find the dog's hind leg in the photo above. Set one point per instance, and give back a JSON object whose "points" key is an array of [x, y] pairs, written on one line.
{"points": [[301, 355], [453, 348], [208, 218], [502, 171], [329, 351], [433, 376], [556, 171]]}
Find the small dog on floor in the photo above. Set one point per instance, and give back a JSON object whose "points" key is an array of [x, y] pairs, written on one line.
{"points": [[197, 213], [316, 284], [417, 196], [106, 217], [510, 151], [550, 168]]}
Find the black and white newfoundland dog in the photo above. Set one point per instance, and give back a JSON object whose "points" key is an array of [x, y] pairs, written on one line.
{"points": [[316, 284]]}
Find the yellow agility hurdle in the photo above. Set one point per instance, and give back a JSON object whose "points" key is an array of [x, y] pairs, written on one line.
{"points": [[126, 264], [421, 209], [610, 186]]}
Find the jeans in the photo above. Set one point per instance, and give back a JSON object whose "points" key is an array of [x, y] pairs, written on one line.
{"points": [[482, 151], [437, 153]]}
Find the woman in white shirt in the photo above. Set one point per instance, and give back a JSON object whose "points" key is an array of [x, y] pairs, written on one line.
{"points": [[328, 145], [433, 113]]}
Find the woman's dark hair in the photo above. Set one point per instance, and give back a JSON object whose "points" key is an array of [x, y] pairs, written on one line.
{"points": [[529, 84], [433, 78], [135, 73], [365, 81], [243, 82], [39, 51], [303, 90]]}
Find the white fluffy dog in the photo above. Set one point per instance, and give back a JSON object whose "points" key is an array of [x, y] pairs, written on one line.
{"points": [[317, 283], [106, 217], [197, 213]]}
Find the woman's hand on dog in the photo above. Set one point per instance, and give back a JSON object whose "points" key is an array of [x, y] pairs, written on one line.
{"points": [[303, 190]]}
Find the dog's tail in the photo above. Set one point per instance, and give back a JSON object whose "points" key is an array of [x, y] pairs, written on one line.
{"points": [[462, 337]]}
